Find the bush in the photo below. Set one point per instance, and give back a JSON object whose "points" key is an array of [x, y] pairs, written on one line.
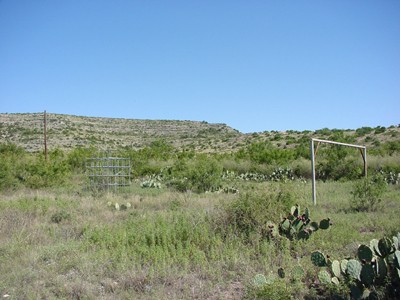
{"points": [[367, 193], [200, 174], [60, 216], [250, 213], [277, 290]]}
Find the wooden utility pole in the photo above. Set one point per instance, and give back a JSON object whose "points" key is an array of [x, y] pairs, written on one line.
{"points": [[45, 135]]}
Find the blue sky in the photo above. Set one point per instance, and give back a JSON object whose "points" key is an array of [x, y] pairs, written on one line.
{"points": [[254, 65]]}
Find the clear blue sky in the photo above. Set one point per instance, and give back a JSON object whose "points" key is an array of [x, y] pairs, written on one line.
{"points": [[254, 65]]}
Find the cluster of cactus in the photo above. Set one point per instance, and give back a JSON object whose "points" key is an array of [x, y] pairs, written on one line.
{"points": [[374, 265], [282, 174], [279, 174], [390, 177], [249, 176], [118, 206], [296, 274], [297, 225], [152, 182], [226, 190]]}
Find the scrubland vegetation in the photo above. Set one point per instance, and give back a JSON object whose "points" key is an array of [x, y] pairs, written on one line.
{"points": [[220, 225]]}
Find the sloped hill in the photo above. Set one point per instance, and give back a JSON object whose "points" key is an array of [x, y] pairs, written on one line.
{"points": [[67, 132]]}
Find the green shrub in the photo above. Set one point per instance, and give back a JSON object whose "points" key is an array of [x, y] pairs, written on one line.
{"points": [[251, 213], [367, 193], [60, 216], [200, 174], [276, 290], [266, 153]]}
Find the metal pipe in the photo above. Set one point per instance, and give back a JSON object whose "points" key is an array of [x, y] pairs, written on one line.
{"points": [[314, 196]]}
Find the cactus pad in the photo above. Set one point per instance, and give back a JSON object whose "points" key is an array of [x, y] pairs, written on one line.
{"points": [[335, 280], [385, 246], [298, 225], [381, 267], [367, 275], [396, 242], [397, 259], [318, 259], [354, 268], [355, 292], [373, 244], [314, 226], [307, 213], [324, 277], [305, 235], [285, 225], [324, 224], [335, 267], [281, 273], [343, 265], [364, 253], [259, 280], [298, 272], [295, 210]]}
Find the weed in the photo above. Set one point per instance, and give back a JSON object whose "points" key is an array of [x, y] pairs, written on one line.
{"points": [[60, 216]]}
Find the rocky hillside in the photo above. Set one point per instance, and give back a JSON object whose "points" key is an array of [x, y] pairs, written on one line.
{"points": [[67, 132]]}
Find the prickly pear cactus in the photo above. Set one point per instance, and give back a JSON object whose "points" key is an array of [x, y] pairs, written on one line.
{"points": [[307, 213], [304, 234], [318, 259], [295, 210], [324, 277], [335, 280], [396, 243], [373, 244], [335, 268], [324, 224], [381, 267], [299, 226], [343, 265], [367, 275], [354, 269], [285, 225], [281, 273], [314, 226], [385, 247], [298, 272], [397, 259], [364, 253], [259, 280]]}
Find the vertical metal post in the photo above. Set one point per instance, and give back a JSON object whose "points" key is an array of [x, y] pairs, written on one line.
{"points": [[365, 161], [314, 195], [45, 135]]}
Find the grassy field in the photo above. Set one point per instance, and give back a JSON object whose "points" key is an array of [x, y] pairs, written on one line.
{"points": [[214, 230], [72, 244]]}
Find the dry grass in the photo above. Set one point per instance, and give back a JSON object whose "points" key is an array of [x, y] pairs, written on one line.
{"points": [[44, 259]]}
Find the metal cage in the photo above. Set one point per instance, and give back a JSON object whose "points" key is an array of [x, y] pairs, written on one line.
{"points": [[108, 172]]}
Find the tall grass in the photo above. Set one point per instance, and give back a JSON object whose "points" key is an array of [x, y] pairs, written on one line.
{"points": [[66, 243]]}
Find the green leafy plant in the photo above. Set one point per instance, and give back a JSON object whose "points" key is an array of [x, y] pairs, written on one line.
{"points": [[376, 268], [60, 216], [297, 225], [367, 193]]}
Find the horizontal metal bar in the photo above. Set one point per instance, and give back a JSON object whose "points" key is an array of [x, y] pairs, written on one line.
{"points": [[108, 167], [110, 176], [337, 143]]}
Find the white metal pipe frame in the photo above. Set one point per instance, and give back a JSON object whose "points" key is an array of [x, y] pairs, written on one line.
{"points": [[363, 151]]}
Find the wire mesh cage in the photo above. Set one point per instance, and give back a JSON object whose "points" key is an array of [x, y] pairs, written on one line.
{"points": [[108, 172]]}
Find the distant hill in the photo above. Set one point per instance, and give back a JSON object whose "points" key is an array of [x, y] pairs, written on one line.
{"points": [[67, 132]]}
